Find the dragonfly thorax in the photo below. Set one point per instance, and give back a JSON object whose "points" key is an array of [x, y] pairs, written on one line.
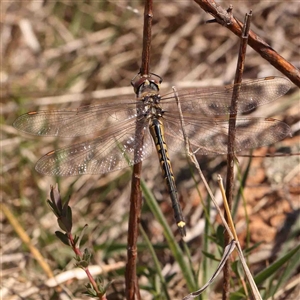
{"points": [[151, 106]]}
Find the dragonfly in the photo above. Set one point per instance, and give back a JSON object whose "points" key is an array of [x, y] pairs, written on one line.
{"points": [[123, 133]]}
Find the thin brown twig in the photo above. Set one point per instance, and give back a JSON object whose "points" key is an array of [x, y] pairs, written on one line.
{"points": [[253, 286], [132, 290], [147, 34], [225, 18], [231, 139]]}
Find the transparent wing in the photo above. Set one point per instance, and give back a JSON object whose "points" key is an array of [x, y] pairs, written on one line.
{"points": [[216, 100], [82, 121], [210, 135], [115, 123], [207, 101], [117, 149]]}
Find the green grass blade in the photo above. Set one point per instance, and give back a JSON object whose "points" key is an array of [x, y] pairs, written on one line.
{"points": [[156, 263], [173, 245]]}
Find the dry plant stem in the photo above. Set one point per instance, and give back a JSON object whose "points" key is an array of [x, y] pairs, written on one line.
{"points": [[227, 209], [26, 240], [191, 155], [134, 217], [132, 290], [147, 34], [234, 244], [226, 19], [253, 286], [231, 140]]}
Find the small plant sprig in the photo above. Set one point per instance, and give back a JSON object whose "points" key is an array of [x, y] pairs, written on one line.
{"points": [[62, 210]]}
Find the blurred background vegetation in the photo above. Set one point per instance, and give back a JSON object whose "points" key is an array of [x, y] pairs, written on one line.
{"points": [[56, 54]]}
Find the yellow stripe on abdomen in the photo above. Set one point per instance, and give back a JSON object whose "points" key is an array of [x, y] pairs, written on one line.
{"points": [[157, 131]]}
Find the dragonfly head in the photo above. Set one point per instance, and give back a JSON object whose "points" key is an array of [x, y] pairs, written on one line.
{"points": [[146, 83]]}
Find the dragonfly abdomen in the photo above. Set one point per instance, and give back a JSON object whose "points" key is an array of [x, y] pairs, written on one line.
{"points": [[157, 131]]}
